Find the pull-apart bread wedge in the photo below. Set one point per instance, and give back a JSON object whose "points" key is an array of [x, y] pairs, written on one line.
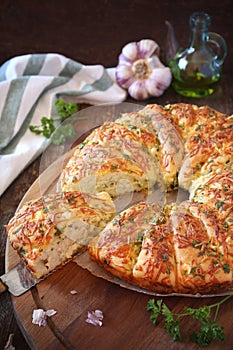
{"points": [[170, 147], [216, 189], [119, 244], [49, 231], [182, 248], [113, 159], [207, 135]]}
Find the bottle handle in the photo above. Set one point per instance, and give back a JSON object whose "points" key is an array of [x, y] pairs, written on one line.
{"points": [[218, 45]]}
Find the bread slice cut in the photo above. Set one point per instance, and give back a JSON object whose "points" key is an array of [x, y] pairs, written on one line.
{"points": [[184, 249], [48, 231], [118, 246], [202, 266], [155, 268]]}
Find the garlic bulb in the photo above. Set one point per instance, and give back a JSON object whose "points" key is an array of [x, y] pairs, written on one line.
{"points": [[140, 70]]}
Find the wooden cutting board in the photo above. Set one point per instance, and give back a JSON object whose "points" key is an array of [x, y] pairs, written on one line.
{"points": [[126, 323]]}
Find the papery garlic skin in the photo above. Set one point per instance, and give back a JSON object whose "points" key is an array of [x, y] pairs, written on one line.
{"points": [[39, 316], [95, 318], [140, 70]]}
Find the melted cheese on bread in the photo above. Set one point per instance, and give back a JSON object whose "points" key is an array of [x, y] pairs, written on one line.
{"points": [[112, 159], [50, 230], [119, 244], [170, 150], [183, 248], [180, 248]]}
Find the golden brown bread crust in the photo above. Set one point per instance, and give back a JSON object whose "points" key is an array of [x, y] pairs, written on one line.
{"points": [[216, 189], [170, 150], [190, 248], [185, 248], [206, 133], [202, 260], [48, 231], [118, 246], [177, 136], [155, 268], [112, 159]]}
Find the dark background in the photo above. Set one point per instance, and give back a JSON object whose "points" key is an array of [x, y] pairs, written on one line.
{"points": [[101, 27]]}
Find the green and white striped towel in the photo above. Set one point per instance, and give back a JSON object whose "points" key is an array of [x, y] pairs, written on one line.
{"points": [[29, 85]]}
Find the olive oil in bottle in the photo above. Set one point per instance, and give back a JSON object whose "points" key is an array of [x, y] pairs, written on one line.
{"points": [[196, 69]]}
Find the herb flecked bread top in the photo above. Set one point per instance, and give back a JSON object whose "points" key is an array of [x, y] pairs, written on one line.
{"points": [[186, 247]]}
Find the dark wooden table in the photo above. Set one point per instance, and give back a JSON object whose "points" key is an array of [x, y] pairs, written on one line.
{"points": [[94, 32]]}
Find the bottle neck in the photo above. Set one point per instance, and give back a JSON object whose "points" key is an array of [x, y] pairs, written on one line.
{"points": [[199, 23], [198, 37]]}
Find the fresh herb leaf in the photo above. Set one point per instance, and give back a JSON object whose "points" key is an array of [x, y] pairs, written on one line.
{"points": [[209, 330], [220, 205], [66, 110], [47, 126], [200, 313], [172, 324], [226, 268], [155, 310], [22, 251]]}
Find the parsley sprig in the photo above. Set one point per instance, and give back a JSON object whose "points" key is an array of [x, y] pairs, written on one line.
{"points": [[209, 330], [66, 110], [47, 127]]}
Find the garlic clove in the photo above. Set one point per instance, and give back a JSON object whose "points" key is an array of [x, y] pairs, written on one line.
{"points": [[159, 81], [124, 75], [123, 60], [138, 91], [146, 47], [130, 51], [155, 62]]}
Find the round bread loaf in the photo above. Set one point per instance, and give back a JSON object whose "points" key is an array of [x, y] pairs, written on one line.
{"points": [[179, 248], [187, 247]]}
